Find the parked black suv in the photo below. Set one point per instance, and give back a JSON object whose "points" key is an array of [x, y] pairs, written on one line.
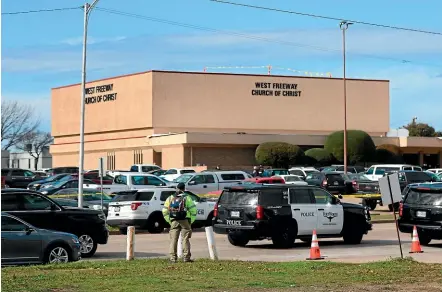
{"points": [[42, 212], [422, 207], [283, 213], [333, 182], [18, 178]]}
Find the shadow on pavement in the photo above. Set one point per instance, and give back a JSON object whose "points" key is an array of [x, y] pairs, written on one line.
{"points": [[122, 255], [337, 243]]}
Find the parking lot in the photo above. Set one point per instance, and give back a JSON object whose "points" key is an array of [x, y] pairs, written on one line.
{"points": [[379, 244]]}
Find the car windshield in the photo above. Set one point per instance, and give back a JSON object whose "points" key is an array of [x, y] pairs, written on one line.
{"points": [[358, 177], [292, 178], [238, 198], [310, 171], [58, 184], [434, 176], [424, 197], [416, 176], [183, 178], [187, 171], [327, 169], [125, 196]]}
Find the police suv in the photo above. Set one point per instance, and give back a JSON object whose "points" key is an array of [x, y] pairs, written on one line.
{"points": [[283, 213], [142, 209]]}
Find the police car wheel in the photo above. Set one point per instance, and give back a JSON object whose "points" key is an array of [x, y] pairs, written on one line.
{"points": [[155, 224], [237, 239], [353, 238], [284, 237]]}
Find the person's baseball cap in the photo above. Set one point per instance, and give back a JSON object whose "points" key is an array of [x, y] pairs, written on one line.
{"points": [[181, 186]]}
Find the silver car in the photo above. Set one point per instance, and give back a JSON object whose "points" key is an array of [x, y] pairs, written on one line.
{"points": [[23, 243]]}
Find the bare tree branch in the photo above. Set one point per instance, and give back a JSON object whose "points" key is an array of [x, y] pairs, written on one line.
{"points": [[34, 143], [17, 121]]}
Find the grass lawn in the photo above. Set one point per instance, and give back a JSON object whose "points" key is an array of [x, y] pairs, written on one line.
{"points": [[205, 275], [383, 216]]}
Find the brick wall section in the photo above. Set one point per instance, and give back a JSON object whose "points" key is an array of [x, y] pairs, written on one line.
{"points": [[224, 157]]}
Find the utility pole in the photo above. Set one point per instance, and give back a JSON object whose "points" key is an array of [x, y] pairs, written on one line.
{"points": [[87, 10], [344, 26]]}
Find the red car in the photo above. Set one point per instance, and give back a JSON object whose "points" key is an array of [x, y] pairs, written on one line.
{"points": [[266, 180]]}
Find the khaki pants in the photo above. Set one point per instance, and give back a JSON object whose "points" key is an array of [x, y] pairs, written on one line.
{"points": [[185, 228]]}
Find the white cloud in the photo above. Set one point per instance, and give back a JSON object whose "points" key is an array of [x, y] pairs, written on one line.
{"points": [[91, 40]]}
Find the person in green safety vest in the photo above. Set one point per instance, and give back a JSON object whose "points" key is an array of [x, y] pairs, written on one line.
{"points": [[180, 212]]}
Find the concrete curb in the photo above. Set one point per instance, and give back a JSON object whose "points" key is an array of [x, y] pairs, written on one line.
{"points": [[145, 232]]}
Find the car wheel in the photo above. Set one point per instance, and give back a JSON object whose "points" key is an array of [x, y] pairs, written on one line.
{"points": [[237, 239], [396, 207], [209, 220], [155, 224], [57, 254], [423, 238], [284, 237], [353, 238], [123, 230], [372, 204], [88, 246]]}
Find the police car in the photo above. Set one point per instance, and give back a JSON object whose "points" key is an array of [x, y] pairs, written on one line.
{"points": [[142, 209], [284, 213]]}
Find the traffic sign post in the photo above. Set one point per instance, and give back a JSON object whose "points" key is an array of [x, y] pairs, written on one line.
{"points": [[391, 194], [101, 172]]}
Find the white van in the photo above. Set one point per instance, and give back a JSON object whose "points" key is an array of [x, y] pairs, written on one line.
{"points": [[204, 182], [375, 172]]}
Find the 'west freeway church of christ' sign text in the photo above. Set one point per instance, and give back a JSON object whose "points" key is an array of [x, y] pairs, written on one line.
{"points": [[100, 93], [276, 89]]}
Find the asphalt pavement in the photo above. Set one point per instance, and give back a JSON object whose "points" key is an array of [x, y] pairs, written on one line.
{"points": [[380, 244]]}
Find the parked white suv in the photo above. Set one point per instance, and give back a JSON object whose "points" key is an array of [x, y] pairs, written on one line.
{"points": [[302, 172], [133, 181], [174, 173], [142, 209]]}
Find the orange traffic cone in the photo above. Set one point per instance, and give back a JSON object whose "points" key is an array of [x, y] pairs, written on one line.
{"points": [[415, 244], [315, 253]]}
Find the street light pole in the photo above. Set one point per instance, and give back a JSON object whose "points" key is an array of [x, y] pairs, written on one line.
{"points": [[87, 9], [344, 26]]}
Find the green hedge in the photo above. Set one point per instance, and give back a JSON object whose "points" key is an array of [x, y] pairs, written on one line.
{"points": [[279, 154], [360, 146], [388, 153], [318, 157]]}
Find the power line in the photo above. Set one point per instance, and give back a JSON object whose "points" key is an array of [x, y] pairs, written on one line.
{"points": [[252, 37], [328, 17], [41, 10]]}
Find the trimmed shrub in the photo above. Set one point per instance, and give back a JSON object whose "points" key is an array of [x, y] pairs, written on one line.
{"points": [[318, 157], [278, 154], [360, 146], [388, 153]]}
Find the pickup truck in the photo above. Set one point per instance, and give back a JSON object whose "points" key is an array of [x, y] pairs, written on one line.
{"points": [[204, 182], [133, 181]]}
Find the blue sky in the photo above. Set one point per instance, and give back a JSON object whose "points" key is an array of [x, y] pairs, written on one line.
{"points": [[43, 50]]}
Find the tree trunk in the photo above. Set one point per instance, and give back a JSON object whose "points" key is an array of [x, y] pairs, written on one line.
{"points": [[36, 163]]}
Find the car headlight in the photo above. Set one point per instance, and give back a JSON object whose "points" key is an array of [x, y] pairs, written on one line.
{"points": [[75, 240], [96, 207], [44, 192], [36, 185]]}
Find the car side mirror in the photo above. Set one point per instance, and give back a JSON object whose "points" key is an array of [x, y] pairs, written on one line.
{"points": [[53, 207], [340, 196], [29, 230]]}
